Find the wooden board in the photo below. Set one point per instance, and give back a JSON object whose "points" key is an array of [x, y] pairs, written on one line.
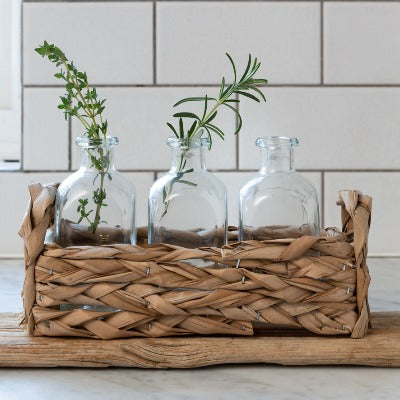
{"points": [[381, 347]]}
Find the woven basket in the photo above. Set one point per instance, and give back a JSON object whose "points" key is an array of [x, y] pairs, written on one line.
{"points": [[316, 283]]}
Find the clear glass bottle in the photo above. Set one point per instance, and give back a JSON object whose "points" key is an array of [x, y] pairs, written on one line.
{"points": [[278, 202], [188, 205], [99, 191]]}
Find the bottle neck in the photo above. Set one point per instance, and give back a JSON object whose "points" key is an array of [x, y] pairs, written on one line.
{"points": [[190, 157], [97, 158], [276, 159]]}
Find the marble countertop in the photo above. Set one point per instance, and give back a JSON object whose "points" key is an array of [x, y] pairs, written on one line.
{"points": [[249, 382]]}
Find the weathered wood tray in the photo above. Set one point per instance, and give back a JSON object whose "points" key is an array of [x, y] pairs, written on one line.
{"points": [[381, 347]]}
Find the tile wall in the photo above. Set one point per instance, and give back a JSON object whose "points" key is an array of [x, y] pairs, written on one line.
{"points": [[334, 72]]}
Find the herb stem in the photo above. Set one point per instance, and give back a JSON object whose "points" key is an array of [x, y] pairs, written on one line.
{"points": [[245, 86], [82, 102], [96, 220], [74, 81], [90, 113], [211, 112]]}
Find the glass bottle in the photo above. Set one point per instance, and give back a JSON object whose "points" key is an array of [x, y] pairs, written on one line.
{"points": [[278, 202], [96, 204], [188, 205]]}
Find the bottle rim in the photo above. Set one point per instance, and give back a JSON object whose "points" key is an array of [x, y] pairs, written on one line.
{"points": [[277, 142], [175, 142], [85, 142]]}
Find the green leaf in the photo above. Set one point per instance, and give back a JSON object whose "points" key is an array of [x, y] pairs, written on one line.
{"points": [[249, 95], [255, 68], [259, 81], [187, 182], [247, 69], [186, 115], [173, 129], [216, 130], [41, 50], [239, 118], [254, 64], [192, 99], [181, 130], [228, 91], [221, 90], [257, 90], [211, 117], [233, 66], [192, 128], [205, 108], [209, 137]]}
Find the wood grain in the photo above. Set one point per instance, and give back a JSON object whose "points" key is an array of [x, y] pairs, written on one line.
{"points": [[381, 347]]}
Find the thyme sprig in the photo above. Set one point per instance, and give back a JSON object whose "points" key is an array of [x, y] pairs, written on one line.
{"points": [[246, 85], [82, 102]]}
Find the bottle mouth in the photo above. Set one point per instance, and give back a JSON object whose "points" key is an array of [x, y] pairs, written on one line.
{"points": [[187, 143], [276, 142], [89, 143]]}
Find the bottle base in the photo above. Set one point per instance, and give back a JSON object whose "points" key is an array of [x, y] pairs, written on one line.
{"points": [[273, 232], [190, 239], [72, 234]]}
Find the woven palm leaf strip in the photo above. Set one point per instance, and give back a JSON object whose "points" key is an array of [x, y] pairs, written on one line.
{"points": [[316, 283]]}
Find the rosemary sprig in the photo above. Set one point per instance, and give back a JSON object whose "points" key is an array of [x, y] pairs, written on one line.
{"points": [[242, 86], [245, 86], [83, 102]]}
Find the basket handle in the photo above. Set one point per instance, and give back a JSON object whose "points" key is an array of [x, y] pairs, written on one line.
{"points": [[38, 217], [356, 218]]}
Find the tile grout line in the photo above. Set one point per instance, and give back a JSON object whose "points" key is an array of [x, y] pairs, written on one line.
{"points": [[217, 170], [154, 42], [196, 85], [322, 38], [237, 135], [322, 199], [204, 1], [69, 143], [357, 1], [21, 161]]}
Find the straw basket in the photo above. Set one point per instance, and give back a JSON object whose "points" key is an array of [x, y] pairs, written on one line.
{"points": [[319, 284]]}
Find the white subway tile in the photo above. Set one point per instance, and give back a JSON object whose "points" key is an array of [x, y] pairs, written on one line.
{"points": [[235, 180], [383, 187], [111, 41], [192, 38], [13, 206], [142, 182], [361, 42], [138, 116], [338, 128], [45, 136]]}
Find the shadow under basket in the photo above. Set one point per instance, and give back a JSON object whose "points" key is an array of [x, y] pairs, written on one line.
{"points": [[318, 284]]}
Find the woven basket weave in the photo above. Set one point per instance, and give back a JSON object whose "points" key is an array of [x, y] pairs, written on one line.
{"points": [[316, 283]]}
